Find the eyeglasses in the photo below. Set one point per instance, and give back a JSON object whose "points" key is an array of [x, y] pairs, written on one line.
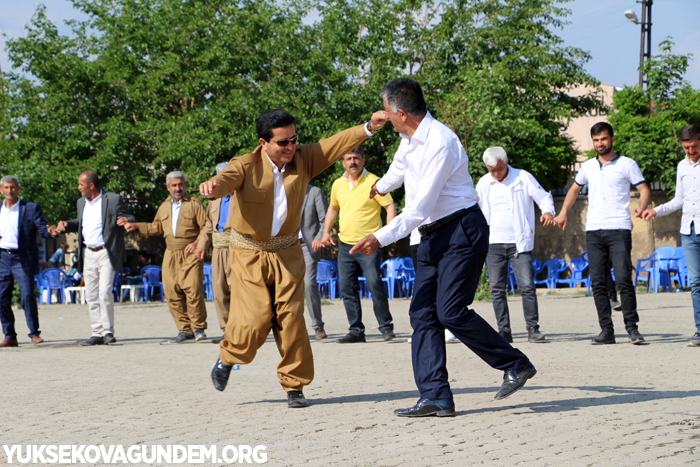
{"points": [[283, 143]]}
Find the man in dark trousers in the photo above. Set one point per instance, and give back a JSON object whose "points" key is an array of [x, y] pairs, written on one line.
{"points": [[19, 259], [100, 251], [442, 202]]}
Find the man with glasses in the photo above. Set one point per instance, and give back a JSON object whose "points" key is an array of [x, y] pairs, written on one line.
{"points": [[267, 263]]}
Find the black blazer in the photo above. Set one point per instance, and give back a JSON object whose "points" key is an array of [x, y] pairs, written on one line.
{"points": [[31, 221], [112, 207]]}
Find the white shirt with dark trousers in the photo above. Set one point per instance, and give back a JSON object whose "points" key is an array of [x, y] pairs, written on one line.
{"points": [[9, 226], [434, 168]]}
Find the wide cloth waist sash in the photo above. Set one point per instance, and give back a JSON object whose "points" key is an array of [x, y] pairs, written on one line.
{"points": [[220, 239], [278, 243]]}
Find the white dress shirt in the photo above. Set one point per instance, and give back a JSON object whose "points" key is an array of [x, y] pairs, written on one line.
{"points": [[501, 204], [687, 196], [434, 169], [9, 226], [609, 192], [92, 222], [279, 214], [175, 214]]}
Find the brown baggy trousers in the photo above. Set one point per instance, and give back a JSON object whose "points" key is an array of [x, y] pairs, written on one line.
{"points": [[269, 295], [182, 283], [221, 283]]}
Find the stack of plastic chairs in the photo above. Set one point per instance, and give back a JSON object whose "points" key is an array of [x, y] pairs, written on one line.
{"points": [[151, 281], [650, 267], [408, 275], [328, 279], [391, 276], [208, 283], [554, 267], [117, 284], [578, 267], [50, 280], [674, 270]]}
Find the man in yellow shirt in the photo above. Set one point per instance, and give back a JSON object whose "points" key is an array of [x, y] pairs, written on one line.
{"points": [[360, 217]]}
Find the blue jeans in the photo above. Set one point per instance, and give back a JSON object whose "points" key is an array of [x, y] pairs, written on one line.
{"points": [[11, 271], [691, 247], [349, 270]]}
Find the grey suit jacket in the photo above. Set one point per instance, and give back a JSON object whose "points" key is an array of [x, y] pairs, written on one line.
{"points": [[112, 207], [313, 215]]}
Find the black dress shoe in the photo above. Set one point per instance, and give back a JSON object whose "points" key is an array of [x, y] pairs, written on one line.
{"points": [[428, 408], [534, 335], [296, 400], [507, 336], [388, 335], [635, 337], [605, 337], [94, 340], [352, 338], [514, 379], [219, 374], [109, 338]]}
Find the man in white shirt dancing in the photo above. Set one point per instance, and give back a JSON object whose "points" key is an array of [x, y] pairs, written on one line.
{"points": [[440, 198]]}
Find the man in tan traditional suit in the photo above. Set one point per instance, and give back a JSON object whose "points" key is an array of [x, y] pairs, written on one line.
{"points": [[180, 219], [217, 228], [267, 264]]}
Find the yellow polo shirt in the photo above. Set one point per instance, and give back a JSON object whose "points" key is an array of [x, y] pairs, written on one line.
{"points": [[359, 216]]}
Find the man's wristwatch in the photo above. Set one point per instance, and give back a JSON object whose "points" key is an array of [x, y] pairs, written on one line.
{"points": [[369, 127]]}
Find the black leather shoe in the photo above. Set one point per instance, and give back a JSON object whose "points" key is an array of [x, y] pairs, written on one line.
{"points": [[605, 337], [94, 340], [635, 337], [507, 336], [428, 408], [219, 374], [388, 335], [514, 379], [296, 400], [352, 338], [534, 335], [109, 338]]}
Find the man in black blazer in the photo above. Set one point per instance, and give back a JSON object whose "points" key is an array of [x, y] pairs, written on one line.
{"points": [[100, 251], [19, 259]]}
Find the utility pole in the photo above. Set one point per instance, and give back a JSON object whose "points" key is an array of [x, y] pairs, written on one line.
{"points": [[645, 43]]}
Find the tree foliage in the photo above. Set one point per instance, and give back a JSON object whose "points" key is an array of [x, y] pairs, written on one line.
{"points": [[646, 130], [143, 88]]}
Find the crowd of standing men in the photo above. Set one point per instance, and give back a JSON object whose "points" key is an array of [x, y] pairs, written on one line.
{"points": [[267, 226]]}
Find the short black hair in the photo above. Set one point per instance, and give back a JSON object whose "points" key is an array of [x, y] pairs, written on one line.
{"points": [[92, 177], [405, 94], [601, 127], [272, 119], [689, 133], [360, 151]]}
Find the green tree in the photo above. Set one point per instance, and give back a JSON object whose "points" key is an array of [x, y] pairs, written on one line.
{"points": [[647, 130]]}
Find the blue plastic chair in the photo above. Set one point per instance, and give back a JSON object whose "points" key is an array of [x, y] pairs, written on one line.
{"points": [[151, 281], [327, 279], [554, 267], [670, 270], [511, 283], [578, 267], [650, 266], [118, 282], [391, 276], [50, 280], [408, 275], [207, 285]]}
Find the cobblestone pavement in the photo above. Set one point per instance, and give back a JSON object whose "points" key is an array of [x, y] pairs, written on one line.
{"points": [[620, 405]]}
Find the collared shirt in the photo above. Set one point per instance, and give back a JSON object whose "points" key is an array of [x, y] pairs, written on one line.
{"points": [[223, 213], [350, 182], [687, 196], [609, 192], [433, 166], [501, 204], [9, 226], [279, 214], [175, 214], [92, 222]]}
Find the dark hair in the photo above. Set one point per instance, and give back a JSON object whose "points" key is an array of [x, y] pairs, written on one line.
{"points": [[360, 151], [689, 133], [270, 120], [92, 178], [143, 253], [405, 94], [601, 127]]}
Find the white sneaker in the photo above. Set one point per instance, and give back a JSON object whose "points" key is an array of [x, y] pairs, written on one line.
{"points": [[449, 337]]}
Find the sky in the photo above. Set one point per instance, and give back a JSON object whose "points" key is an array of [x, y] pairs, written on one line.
{"points": [[597, 26]]}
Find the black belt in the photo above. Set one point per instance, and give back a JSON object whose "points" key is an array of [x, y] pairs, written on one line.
{"points": [[434, 226], [95, 249], [12, 252]]}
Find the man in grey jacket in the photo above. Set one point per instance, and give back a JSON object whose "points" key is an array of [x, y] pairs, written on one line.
{"points": [[507, 197], [313, 215], [100, 251]]}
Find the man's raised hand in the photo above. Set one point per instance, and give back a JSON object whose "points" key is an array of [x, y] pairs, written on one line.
{"points": [[207, 188]]}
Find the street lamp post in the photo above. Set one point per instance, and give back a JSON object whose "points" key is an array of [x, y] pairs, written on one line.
{"points": [[645, 45]]}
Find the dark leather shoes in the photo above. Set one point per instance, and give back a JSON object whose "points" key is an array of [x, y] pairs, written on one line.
{"points": [[296, 400], [109, 338], [352, 338], [428, 408], [635, 337], [507, 336], [219, 374], [320, 334], [605, 337], [534, 335], [388, 335], [94, 340], [37, 340], [9, 343], [514, 379]]}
